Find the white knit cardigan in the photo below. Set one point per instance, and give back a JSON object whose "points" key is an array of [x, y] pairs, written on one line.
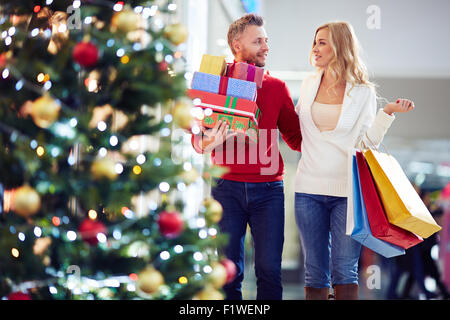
{"points": [[323, 166]]}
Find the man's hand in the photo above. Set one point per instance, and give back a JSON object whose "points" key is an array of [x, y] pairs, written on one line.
{"points": [[401, 105], [215, 136]]}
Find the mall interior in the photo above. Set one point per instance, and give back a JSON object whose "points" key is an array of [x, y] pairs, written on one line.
{"points": [[406, 56]]}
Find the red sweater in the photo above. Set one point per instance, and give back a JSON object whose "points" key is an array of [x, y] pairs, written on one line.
{"points": [[262, 162]]}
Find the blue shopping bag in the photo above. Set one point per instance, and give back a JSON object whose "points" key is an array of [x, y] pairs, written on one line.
{"points": [[361, 229]]}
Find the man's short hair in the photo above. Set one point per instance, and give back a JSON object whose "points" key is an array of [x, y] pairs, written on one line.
{"points": [[238, 27]]}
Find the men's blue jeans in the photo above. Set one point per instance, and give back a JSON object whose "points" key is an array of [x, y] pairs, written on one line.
{"points": [[321, 221], [261, 206]]}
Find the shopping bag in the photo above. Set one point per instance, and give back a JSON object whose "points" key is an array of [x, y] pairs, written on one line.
{"points": [[350, 212], [361, 229], [403, 206], [379, 224]]}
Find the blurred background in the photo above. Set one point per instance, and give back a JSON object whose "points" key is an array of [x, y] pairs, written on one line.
{"points": [[405, 46]]}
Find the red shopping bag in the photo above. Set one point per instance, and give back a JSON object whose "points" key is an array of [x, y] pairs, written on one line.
{"points": [[379, 224]]}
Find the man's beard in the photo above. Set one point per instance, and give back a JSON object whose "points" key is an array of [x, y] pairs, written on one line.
{"points": [[254, 59]]}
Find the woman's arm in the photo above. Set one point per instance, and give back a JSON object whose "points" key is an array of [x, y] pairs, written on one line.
{"points": [[376, 124]]}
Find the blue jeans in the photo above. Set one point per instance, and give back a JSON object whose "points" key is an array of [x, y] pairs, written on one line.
{"points": [[261, 205], [321, 222]]}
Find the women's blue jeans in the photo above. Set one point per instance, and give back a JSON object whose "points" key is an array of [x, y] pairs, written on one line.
{"points": [[330, 254]]}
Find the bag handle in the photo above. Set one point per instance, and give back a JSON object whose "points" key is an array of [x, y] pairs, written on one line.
{"points": [[374, 146]]}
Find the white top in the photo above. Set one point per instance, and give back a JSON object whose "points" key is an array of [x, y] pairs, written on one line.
{"points": [[323, 168], [325, 116]]}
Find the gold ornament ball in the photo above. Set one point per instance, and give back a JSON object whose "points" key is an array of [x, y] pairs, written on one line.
{"points": [[104, 168], [209, 293], [190, 176], [213, 213], [45, 111], [126, 20], [218, 275], [27, 201], [149, 280], [181, 114], [176, 33]]}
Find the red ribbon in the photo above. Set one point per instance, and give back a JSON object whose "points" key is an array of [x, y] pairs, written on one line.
{"points": [[223, 86], [251, 71]]}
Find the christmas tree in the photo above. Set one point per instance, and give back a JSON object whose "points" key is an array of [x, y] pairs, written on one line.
{"points": [[91, 92]]}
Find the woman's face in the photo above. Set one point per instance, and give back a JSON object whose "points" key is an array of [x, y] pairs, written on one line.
{"points": [[322, 51]]}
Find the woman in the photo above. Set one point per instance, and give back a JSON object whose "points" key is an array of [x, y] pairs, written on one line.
{"points": [[338, 111]]}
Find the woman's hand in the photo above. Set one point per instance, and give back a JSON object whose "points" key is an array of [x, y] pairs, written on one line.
{"points": [[401, 105]]}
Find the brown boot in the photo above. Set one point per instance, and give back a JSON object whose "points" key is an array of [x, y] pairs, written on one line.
{"points": [[346, 291], [316, 293]]}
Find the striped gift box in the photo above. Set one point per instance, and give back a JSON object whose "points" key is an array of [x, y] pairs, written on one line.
{"points": [[224, 86]]}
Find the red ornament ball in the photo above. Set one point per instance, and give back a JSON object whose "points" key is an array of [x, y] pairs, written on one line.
{"points": [[170, 224], [89, 229], [19, 296], [85, 54], [230, 267], [163, 66]]}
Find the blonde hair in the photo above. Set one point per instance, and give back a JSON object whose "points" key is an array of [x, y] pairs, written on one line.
{"points": [[346, 65]]}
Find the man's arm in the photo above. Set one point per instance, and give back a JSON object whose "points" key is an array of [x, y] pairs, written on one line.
{"points": [[288, 121]]}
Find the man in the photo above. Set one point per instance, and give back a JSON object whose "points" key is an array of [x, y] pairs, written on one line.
{"points": [[251, 192]]}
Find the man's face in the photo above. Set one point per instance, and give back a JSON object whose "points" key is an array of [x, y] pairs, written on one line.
{"points": [[252, 46]]}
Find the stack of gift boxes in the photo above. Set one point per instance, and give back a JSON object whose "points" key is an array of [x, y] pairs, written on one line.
{"points": [[227, 92]]}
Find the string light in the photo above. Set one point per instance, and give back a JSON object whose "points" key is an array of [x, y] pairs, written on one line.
{"points": [[37, 231], [207, 269], [118, 168], [40, 77], [33, 144], [5, 73], [56, 221], [113, 141], [101, 126], [101, 237], [34, 32], [76, 4], [164, 255], [202, 234], [118, 6], [19, 85], [164, 187], [198, 256], [140, 159], [182, 280], [11, 31], [92, 214], [120, 52], [40, 151], [125, 59], [71, 235], [137, 170], [15, 252]]}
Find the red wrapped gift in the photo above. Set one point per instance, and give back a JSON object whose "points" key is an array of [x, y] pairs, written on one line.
{"points": [[379, 224], [237, 124], [226, 104], [245, 71]]}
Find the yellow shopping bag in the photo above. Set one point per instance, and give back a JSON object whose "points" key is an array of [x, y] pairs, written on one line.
{"points": [[402, 204]]}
